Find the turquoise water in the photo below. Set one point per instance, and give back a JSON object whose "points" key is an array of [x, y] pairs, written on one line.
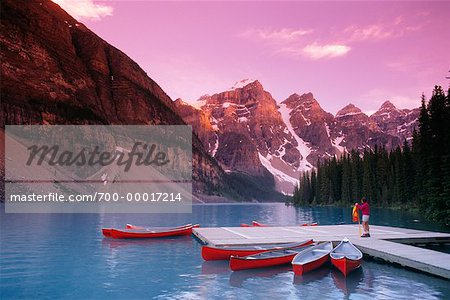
{"points": [[65, 256]]}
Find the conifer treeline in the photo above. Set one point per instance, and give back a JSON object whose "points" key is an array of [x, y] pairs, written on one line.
{"points": [[415, 175]]}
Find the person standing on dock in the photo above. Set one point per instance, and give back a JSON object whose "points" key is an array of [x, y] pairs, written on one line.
{"points": [[365, 210]]}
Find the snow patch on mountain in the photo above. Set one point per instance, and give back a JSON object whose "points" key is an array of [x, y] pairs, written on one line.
{"points": [[302, 147], [216, 146], [328, 129], [199, 103], [337, 143], [265, 161], [348, 114], [240, 84], [403, 127]]}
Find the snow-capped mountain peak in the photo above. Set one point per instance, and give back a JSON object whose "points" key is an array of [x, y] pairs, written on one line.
{"points": [[387, 108], [348, 110], [242, 83]]}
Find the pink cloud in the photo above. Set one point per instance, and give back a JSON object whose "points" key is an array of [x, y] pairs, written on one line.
{"points": [[372, 32], [292, 43], [399, 20], [380, 31], [85, 9], [283, 34], [316, 51]]}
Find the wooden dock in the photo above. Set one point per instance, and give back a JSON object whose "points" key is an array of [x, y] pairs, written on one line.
{"points": [[388, 243]]}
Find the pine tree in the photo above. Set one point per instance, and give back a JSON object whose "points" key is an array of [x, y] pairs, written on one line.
{"points": [[408, 173], [346, 179], [366, 178], [356, 175], [313, 186]]}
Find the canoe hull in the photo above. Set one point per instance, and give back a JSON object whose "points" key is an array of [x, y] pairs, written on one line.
{"points": [[142, 234], [346, 257], [308, 224], [106, 232], [257, 224], [346, 265], [300, 269], [219, 253], [239, 263], [211, 253]]}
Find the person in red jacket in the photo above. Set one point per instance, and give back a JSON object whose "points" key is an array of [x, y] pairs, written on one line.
{"points": [[365, 210]]}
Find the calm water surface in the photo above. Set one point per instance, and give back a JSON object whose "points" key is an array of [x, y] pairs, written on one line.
{"points": [[65, 256]]}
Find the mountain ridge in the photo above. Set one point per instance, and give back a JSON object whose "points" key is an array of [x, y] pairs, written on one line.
{"points": [[305, 135]]}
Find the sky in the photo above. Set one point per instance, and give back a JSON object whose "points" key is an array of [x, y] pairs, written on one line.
{"points": [[343, 52]]}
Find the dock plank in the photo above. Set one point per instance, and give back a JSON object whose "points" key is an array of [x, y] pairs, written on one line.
{"points": [[429, 261]]}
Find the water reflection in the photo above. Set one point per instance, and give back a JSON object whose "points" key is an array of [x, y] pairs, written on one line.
{"points": [[215, 267], [347, 284], [314, 275], [238, 278], [123, 243]]}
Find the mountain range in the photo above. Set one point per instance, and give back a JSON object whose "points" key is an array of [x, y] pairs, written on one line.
{"points": [[246, 130], [246, 145]]}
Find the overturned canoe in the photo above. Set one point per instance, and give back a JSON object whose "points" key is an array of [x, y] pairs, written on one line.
{"points": [[225, 252], [148, 232], [264, 259], [312, 258], [346, 257]]}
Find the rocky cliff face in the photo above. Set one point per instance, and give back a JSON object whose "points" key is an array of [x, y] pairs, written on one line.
{"points": [[396, 122], [312, 125], [54, 70], [355, 126], [387, 127], [246, 133], [200, 122]]}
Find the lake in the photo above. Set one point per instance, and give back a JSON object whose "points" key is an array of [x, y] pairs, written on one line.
{"points": [[65, 256]]}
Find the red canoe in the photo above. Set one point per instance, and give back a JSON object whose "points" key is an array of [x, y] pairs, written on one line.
{"points": [[225, 252], [310, 224], [148, 232], [106, 232], [264, 259], [245, 225], [257, 224], [346, 257], [130, 226], [312, 258]]}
